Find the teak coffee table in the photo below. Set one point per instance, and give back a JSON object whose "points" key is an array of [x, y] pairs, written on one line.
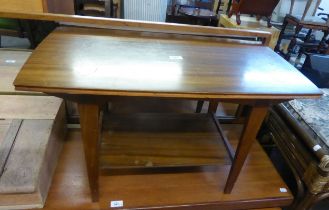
{"points": [[89, 66]]}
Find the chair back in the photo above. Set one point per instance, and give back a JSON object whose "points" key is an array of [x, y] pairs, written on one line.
{"points": [[205, 4], [307, 7], [258, 7]]}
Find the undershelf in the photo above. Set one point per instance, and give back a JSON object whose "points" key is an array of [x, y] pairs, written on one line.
{"points": [[161, 140]]}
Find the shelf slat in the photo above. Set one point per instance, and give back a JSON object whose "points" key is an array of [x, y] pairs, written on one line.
{"points": [[161, 140]]}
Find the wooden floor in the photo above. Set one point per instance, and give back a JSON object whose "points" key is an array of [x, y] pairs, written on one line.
{"points": [[258, 186]]}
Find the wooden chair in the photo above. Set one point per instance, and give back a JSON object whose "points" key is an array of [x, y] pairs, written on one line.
{"points": [[253, 7], [199, 12], [303, 147], [307, 7], [302, 22], [96, 8]]}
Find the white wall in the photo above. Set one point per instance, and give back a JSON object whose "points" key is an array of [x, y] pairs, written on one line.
{"points": [[325, 5], [284, 7]]}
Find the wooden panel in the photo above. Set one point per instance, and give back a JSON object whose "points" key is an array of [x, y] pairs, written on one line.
{"points": [[7, 142], [133, 25], [32, 162], [26, 158], [22, 5], [158, 140], [257, 187], [4, 126], [228, 71], [250, 23], [60, 6], [52, 6], [39, 107]]}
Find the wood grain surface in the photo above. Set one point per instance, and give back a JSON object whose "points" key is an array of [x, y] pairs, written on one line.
{"points": [[38, 6], [250, 23], [28, 107], [7, 142], [161, 140], [32, 162], [23, 6], [91, 125], [94, 61], [27, 156], [133, 25]]}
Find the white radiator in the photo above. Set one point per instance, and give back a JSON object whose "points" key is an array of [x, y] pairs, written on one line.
{"points": [[149, 10]]}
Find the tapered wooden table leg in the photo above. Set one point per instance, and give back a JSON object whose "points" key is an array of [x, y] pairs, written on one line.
{"points": [[91, 123], [213, 107], [199, 106], [255, 119]]}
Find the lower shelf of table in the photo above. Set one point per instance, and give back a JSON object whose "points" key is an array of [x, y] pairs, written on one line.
{"points": [[257, 187], [161, 140]]}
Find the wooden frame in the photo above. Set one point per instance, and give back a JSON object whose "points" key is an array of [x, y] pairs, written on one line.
{"points": [[309, 168], [299, 24], [140, 26], [41, 6], [258, 8]]}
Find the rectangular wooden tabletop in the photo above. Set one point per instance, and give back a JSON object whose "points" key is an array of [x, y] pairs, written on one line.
{"points": [[102, 62]]}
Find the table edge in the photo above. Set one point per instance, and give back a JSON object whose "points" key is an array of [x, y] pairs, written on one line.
{"points": [[186, 95]]}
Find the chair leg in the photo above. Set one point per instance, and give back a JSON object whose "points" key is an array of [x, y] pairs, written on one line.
{"points": [[269, 24], [239, 111], [230, 13], [29, 33], [293, 42], [301, 51], [238, 19], [199, 106], [213, 107], [277, 47], [234, 9], [322, 44]]}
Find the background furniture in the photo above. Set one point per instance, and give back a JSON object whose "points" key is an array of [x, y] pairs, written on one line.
{"points": [[98, 8], [252, 24], [30, 29], [52, 6], [199, 15], [307, 7], [253, 7], [309, 23], [196, 12], [316, 69], [299, 129], [312, 23]]}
